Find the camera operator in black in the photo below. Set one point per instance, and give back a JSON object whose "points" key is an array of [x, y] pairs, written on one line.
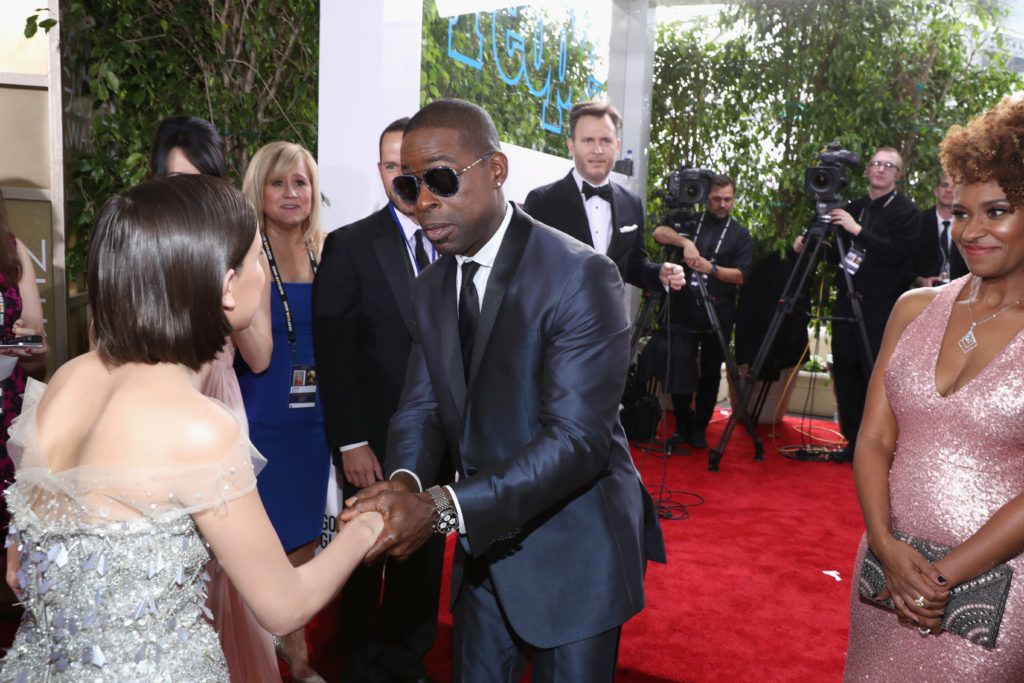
{"points": [[719, 250], [879, 233]]}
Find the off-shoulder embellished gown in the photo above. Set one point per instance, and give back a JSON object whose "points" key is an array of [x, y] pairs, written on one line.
{"points": [[959, 458], [113, 569]]}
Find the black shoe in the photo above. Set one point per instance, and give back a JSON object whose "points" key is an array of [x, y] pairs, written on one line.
{"points": [[843, 455], [676, 444], [697, 438]]}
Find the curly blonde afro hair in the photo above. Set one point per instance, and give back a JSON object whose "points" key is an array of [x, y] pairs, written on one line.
{"points": [[990, 147]]}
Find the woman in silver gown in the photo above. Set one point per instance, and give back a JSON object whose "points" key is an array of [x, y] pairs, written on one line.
{"points": [[127, 476]]}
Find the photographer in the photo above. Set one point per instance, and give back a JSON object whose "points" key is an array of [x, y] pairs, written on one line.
{"points": [[718, 249], [878, 233]]}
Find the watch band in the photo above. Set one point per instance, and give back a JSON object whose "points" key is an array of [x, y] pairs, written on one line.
{"points": [[714, 270], [447, 520]]}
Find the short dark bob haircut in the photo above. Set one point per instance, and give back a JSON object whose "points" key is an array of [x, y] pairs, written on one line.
{"points": [[197, 138], [157, 261]]}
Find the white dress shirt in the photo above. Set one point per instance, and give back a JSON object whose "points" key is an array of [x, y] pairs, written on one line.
{"points": [[485, 257], [599, 215]]}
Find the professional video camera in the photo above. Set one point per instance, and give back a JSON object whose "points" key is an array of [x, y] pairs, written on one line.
{"points": [[828, 177], [685, 187]]}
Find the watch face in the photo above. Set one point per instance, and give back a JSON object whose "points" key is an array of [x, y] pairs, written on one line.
{"points": [[447, 522]]}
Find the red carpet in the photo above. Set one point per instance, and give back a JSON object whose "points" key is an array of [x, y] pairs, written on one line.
{"points": [[743, 597]]}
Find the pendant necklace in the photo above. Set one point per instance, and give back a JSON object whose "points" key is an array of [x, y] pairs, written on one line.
{"points": [[968, 342]]}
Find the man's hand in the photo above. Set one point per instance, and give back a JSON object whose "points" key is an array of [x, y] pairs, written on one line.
{"points": [[673, 276], [408, 518], [798, 244], [845, 221], [361, 466], [699, 264]]}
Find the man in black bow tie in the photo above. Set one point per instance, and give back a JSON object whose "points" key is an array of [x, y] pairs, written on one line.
{"points": [[588, 206]]}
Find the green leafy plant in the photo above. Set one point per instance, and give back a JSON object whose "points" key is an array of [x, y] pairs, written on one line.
{"points": [[248, 66], [757, 91]]}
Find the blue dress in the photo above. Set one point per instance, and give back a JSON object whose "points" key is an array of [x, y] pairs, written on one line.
{"points": [[293, 485]]}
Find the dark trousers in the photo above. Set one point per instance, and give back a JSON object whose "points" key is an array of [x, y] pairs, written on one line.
{"points": [[388, 616], [709, 376], [850, 370], [486, 650]]}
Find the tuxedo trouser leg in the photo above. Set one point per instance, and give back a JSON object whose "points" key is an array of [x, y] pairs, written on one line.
{"points": [[592, 659], [408, 614], [484, 648]]}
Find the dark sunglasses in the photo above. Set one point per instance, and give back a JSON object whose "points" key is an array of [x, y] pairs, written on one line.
{"points": [[442, 181]]}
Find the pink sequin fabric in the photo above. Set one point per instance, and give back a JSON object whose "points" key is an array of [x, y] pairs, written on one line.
{"points": [[959, 458]]}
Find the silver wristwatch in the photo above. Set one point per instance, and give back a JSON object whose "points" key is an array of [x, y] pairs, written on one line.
{"points": [[447, 520]]}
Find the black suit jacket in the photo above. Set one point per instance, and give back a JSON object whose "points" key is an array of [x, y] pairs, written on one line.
{"points": [[929, 255], [548, 492], [560, 205], [362, 316]]}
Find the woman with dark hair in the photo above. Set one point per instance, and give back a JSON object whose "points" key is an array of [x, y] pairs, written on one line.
{"points": [[127, 476], [282, 403], [939, 464], [188, 145], [21, 314]]}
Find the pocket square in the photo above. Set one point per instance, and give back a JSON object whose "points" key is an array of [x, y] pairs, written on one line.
{"points": [[627, 228]]}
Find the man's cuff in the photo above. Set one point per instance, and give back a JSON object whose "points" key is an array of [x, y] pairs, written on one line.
{"points": [[342, 449], [458, 510], [419, 484]]}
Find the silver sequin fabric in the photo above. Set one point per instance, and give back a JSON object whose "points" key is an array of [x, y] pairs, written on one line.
{"points": [[113, 568], [958, 459]]}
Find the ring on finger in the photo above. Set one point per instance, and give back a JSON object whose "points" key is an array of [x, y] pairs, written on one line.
{"points": [[919, 601], [924, 631]]}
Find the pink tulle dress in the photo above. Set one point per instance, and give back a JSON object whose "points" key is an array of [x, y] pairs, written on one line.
{"points": [[248, 647]]}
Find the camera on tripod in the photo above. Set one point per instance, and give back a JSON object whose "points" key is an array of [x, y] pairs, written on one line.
{"points": [[685, 187], [826, 179]]}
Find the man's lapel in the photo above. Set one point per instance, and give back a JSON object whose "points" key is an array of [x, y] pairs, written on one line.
{"points": [[451, 347], [391, 252], [579, 225], [505, 266], [620, 242]]}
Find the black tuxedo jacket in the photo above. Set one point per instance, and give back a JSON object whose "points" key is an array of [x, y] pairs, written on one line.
{"points": [[560, 205], [929, 255], [548, 492], [362, 316]]}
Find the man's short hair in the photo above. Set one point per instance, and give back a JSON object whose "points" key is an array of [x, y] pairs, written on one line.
{"points": [[198, 139], [396, 126], [474, 125], [157, 261], [595, 108], [891, 150], [723, 180]]}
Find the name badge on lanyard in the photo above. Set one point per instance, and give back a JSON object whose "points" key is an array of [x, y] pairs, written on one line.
{"points": [[854, 259], [302, 379], [302, 392]]}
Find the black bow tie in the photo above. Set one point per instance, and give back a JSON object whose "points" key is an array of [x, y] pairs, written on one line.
{"points": [[604, 192]]}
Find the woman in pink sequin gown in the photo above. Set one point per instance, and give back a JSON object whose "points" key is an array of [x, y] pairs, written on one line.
{"points": [[940, 454]]}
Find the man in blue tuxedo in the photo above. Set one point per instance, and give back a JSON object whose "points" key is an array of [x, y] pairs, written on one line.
{"points": [[589, 206], [519, 358]]}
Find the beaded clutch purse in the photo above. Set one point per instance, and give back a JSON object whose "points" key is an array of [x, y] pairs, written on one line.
{"points": [[975, 608]]}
